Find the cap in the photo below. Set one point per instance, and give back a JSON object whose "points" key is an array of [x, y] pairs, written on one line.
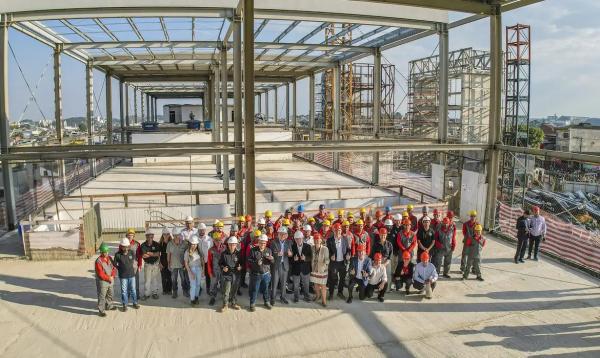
{"points": [[298, 235], [189, 219], [232, 240], [360, 247], [125, 242], [535, 208], [300, 208], [426, 219], [378, 213], [286, 222], [388, 222], [321, 206], [261, 221], [473, 213], [383, 231], [263, 238], [202, 226], [436, 211], [130, 231], [360, 222], [268, 213], [337, 226], [194, 240], [377, 256], [219, 224], [270, 224], [307, 228], [148, 232], [104, 248], [450, 214], [424, 256], [327, 223], [406, 255], [242, 219], [478, 227], [282, 230], [217, 235]]}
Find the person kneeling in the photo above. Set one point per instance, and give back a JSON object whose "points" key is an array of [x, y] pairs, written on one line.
{"points": [[378, 279], [360, 272], [425, 276], [404, 273]]}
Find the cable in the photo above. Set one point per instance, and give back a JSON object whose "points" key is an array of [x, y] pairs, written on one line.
{"points": [[26, 82], [35, 89]]}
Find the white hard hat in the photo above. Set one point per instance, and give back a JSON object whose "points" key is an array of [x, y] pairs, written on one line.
{"points": [[263, 237], [232, 240], [426, 218], [282, 230], [189, 219], [202, 226], [307, 228], [261, 221], [176, 231], [388, 222], [216, 222], [194, 240], [148, 232], [298, 235], [166, 231], [125, 242], [398, 217]]}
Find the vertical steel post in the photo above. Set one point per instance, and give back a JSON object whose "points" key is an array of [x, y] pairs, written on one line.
{"points": [[148, 109], [495, 98], [224, 114], [294, 114], [155, 109], [127, 124], [276, 105], [135, 107], [443, 83], [337, 111], [311, 106], [89, 103], [376, 111], [237, 118], [58, 115], [217, 115], [249, 106], [259, 103], [287, 106], [267, 105], [9, 197], [142, 106], [122, 110], [109, 118]]}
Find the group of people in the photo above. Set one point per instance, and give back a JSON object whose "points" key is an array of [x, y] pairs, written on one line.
{"points": [[293, 254], [531, 230]]}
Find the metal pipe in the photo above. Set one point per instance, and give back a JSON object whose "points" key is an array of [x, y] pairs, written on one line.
{"points": [[311, 106], [135, 108], [494, 131], [337, 111], [224, 115], [376, 111], [249, 106], [109, 124], [237, 107]]}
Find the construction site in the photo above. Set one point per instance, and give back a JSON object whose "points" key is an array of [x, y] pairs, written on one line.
{"points": [[221, 109]]}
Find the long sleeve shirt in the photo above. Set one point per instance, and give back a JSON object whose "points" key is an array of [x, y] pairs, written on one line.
{"points": [[378, 275], [423, 273], [105, 270], [537, 225]]}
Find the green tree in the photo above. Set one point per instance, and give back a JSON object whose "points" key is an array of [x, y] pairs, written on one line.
{"points": [[82, 127], [536, 135]]}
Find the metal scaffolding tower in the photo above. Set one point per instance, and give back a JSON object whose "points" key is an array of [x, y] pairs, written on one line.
{"points": [[516, 118]]}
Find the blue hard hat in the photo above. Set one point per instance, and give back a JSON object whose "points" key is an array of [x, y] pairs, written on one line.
{"points": [[300, 208], [388, 209], [322, 206]]}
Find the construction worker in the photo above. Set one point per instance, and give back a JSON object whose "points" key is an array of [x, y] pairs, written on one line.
{"points": [[311, 222], [268, 216], [425, 238], [436, 221], [361, 237], [307, 233], [231, 267], [388, 213], [300, 266], [214, 270], [340, 218], [392, 235], [468, 230], [378, 279], [188, 231], [350, 220], [403, 275], [522, 236], [234, 231], [205, 243], [136, 250], [325, 230], [445, 242], [424, 214], [242, 228], [126, 263], [537, 232], [406, 238], [151, 256], [414, 222], [282, 251], [379, 220], [194, 263], [339, 253], [105, 276], [320, 217], [363, 214], [299, 215], [260, 260], [360, 272], [474, 245], [384, 248], [425, 276], [165, 273], [175, 256]]}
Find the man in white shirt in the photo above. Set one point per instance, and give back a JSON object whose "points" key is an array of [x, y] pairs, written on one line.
{"points": [[537, 233], [378, 279], [206, 242], [188, 231], [425, 276]]}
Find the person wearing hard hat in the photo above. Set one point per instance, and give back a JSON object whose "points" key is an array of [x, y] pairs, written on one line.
{"points": [[361, 271], [175, 256], [151, 256], [340, 253], [231, 267], [310, 222], [194, 264], [474, 246], [384, 248], [468, 230], [425, 238], [307, 235], [425, 276], [241, 223], [363, 214], [299, 215], [537, 232], [217, 227], [260, 261], [320, 217], [388, 213], [522, 227], [379, 221], [249, 223], [436, 221], [105, 276], [350, 220], [300, 266], [165, 274], [452, 225], [205, 243], [378, 279], [325, 230], [414, 222], [369, 225], [214, 270], [403, 275], [406, 238], [445, 243], [361, 237], [188, 231], [136, 250], [424, 214], [234, 229], [392, 235], [268, 216], [125, 262], [282, 251], [340, 218], [247, 243]]}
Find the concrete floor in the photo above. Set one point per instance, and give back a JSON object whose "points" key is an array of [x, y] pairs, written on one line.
{"points": [[533, 309]]}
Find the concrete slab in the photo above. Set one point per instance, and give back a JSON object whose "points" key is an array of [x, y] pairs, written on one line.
{"points": [[533, 309]]}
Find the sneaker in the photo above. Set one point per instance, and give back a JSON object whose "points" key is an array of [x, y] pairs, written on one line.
{"points": [[380, 299], [349, 300], [235, 306], [136, 306], [479, 278], [284, 300], [268, 305], [102, 314], [252, 308], [211, 302], [341, 295], [124, 308], [223, 309]]}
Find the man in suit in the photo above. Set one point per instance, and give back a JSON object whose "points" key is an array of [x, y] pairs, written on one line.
{"points": [[361, 271], [300, 266], [282, 249], [339, 253]]}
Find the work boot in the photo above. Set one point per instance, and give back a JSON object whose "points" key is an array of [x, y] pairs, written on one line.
{"points": [[111, 308], [124, 308], [528, 257], [306, 299], [535, 259], [174, 295], [223, 309], [244, 285], [446, 275], [144, 298], [407, 292], [102, 314], [136, 306], [522, 261], [284, 300], [235, 306], [479, 278], [155, 296], [268, 305], [296, 300], [349, 300], [239, 292], [380, 299], [252, 308], [211, 302], [272, 302]]}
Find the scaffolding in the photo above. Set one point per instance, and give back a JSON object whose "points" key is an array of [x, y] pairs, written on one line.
{"points": [[514, 181], [468, 96]]}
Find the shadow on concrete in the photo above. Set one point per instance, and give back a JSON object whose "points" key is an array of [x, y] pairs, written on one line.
{"points": [[524, 295], [537, 338], [11, 245], [50, 300], [73, 285]]}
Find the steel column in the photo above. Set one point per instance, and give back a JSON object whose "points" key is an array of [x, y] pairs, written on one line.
{"points": [[495, 98], [259, 103], [311, 106], [267, 105], [127, 124], [237, 118], [337, 111], [276, 105], [443, 83], [148, 108], [294, 120], [142, 106], [155, 109], [135, 108], [58, 114], [287, 106], [249, 106], [122, 110], [109, 123], [89, 103], [224, 116], [376, 111], [7, 177], [217, 115]]}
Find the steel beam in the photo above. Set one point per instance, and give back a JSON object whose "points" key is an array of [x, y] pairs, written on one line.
{"points": [[248, 31], [294, 111], [217, 115], [472, 6], [376, 111], [275, 104], [89, 104], [122, 111], [58, 114], [287, 106], [267, 105], [237, 118], [108, 102], [337, 111], [224, 116], [127, 122], [443, 83], [572, 156]]}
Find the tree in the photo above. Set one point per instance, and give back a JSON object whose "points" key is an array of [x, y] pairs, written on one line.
{"points": [[82, 127], [536, 135]]}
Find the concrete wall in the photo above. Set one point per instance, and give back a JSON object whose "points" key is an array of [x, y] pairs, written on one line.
{"points": [[473, 195], [580, 139]]}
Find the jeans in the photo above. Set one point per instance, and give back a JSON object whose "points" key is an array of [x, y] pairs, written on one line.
{"points": [[259, 282], [151, 279], [195, 283], [521, 247], [182, 274], [534, 244], [165, 275], [128, 289]]}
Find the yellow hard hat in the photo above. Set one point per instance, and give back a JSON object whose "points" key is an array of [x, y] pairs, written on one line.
{"points": [[346, 223], [331, 216], [257, 233], [327, 223], [286, 221], [473, 213], [341, 212], [131, 231], [360, 222], [219, 224], [268, 214], [478, 227], [242, 219], [363, 210], [217, 235], [311, 220], [409, 207], [405, 214], [350, 215]]}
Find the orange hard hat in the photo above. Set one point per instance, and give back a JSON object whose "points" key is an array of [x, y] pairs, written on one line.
{"points": [[425, 256], [406, 255]]}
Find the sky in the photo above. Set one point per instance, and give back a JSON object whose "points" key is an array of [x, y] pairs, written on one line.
{"points": [[565, 69]]}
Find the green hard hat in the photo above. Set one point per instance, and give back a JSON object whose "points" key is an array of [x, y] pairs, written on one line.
{"points": [[104, 248]]}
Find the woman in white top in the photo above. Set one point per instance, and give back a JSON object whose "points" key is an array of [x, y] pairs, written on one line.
{"points": [[194, 264]]}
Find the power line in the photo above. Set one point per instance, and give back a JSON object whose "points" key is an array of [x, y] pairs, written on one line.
{"points": [[26, 82]]}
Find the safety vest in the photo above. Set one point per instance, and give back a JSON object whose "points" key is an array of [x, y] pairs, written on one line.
{"points": [[445, 240], [107, 267], [407, 239]]}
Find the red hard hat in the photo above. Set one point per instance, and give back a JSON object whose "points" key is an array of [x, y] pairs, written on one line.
{"points": [[317, 236], [424, 256], [450, 214], [248, 218], [383, 231], [360, 247], [405, 221], [446, 221], [337, 226], [377, 256], [378, 213], [406, 255], [435, 211]]}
